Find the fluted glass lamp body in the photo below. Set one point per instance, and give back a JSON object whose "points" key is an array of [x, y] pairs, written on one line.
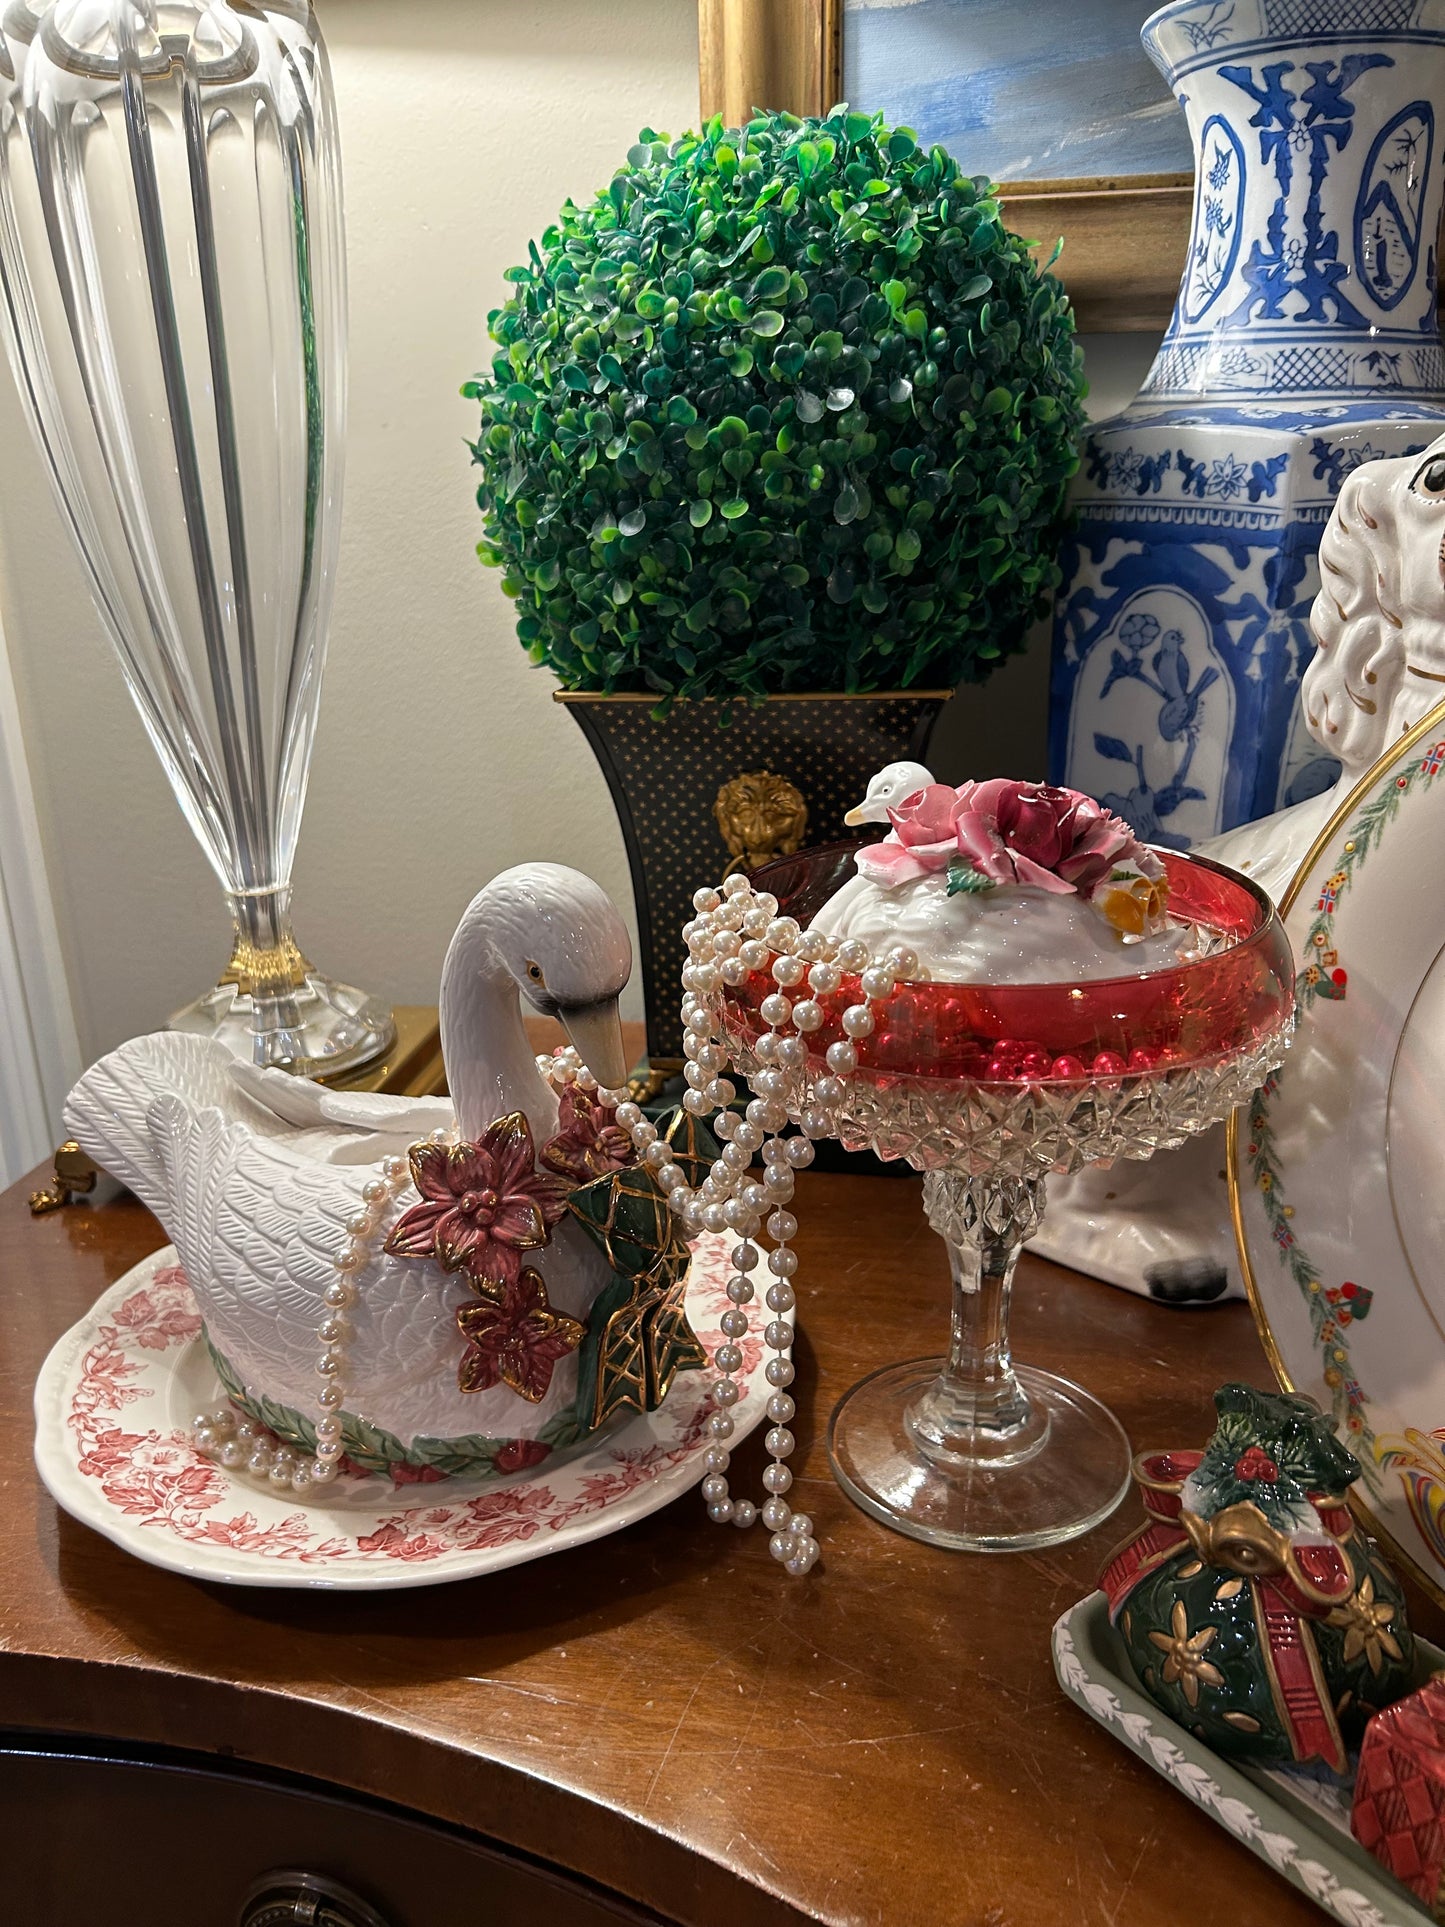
{"points": [[172, 265]]}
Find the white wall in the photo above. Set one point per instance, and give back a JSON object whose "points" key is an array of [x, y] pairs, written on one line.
{"points": [[441, 757]]}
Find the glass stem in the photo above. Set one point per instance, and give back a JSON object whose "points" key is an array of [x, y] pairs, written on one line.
{"points": [[976, 1407], [266, 963]]}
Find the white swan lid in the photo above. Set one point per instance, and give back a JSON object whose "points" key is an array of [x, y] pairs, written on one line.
{"points": [[1003, 882]]}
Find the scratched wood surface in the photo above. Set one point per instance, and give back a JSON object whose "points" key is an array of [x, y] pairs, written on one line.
{"points": [[663, 1711]]}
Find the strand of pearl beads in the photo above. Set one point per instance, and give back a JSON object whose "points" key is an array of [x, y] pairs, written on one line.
{"points": [[240, 1444], [738, 931]]}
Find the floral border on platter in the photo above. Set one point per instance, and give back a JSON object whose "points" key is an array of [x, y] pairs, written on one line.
{"points": [[1333, 1311], [158, 1479]]}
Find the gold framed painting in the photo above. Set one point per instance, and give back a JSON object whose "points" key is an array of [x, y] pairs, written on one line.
{"points": [[1056, 99]]}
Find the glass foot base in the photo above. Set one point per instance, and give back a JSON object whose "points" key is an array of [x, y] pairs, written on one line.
{"points": [[1062, 1470], [315, 1028]]}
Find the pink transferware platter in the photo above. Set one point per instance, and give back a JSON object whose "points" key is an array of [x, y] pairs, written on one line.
{"points": [[116, 1397]]}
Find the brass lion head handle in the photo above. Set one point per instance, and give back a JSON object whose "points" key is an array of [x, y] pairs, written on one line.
{"points": [[760, 816]]}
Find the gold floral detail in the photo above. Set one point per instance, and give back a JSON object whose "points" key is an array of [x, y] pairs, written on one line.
{"points": [[1366, 1624], [1184, 1652], [1135, 905]]}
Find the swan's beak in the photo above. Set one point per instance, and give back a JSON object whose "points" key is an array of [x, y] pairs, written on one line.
{"points": [[860, 813], [595, 1033]]}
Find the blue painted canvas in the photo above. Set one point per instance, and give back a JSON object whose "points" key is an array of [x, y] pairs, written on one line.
{"points": [[1019, 89]]}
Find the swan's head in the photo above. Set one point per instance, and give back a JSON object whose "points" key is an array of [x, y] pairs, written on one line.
{"points": [[560, 938], [887, 790], [1379, 618]]}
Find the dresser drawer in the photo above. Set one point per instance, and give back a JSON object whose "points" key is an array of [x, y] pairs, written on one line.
{"points": [[136, 1841]]}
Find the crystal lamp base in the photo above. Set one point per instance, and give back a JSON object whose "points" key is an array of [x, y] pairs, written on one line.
{"points": [[1056, 1465], [274, 1008]]}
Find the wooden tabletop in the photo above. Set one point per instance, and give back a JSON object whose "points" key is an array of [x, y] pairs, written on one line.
{"points": [[664, 1711]]}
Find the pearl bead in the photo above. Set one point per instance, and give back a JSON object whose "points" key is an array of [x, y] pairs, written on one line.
{"points": [[339, 1294], [736, 885], [808, 1016], [776, 1479], [792, 1052], [769, 1083], [721, 1092], [741, 1290], [329, 1397], [204, 1435], [322, 1472], [800, 1525], [745, 1257], [780, 1408], [373, 1191], [720, 1426], [671, 1177], [775, 1151], [877, 983], [331, 1330], [705, 899], [351, 1259], [735, 1157], [744, 1513], [778, 1335], [259, 1461], [788, 971], [902, 960], [360, 1224], [775, 1010], [802, 1559], [328, 1450], [696, 1103], [799, 1152], [748, 1134], [629, 1114], [776, 1514], [328, 1365], [223, 1418], [778, 1184], [281, 1470], [816, 1123], [655, 1155], [755, 1198], [232, 1452], [780, 1297], [813, 945], [752, 955], [727, 1358], [858, 1020], [779, 1372], [783, 932], [393, 1168], [725, 1392], [644, 1135], [765, 900], [828, 1090], [301, 1478], [246, 1431], [714, 1486], [782, 1225], [714, 1218], [824, 978], [841, 1058], [328, 1427], [851, 955], [781, 1547], [765, 1050], [779, 1441], [716, 1458], [733, 1323], [720, 1511]]}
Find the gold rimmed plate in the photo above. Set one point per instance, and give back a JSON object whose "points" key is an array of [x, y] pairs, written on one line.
{"points": [[1337, 1168]]}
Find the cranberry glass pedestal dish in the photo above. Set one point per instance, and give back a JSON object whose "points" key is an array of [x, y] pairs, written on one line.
{"points": [[987, 1090]]}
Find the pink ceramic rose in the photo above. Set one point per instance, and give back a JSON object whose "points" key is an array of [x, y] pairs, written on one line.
{"points": [[926, 839], [1021, 833], [1053, 839]]}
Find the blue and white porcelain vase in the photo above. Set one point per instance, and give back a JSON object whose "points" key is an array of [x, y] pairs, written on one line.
{"points": [[1304, 341]]}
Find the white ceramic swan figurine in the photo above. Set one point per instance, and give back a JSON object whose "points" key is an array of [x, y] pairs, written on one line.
{"points": [[886, 790], [255, 1174]]}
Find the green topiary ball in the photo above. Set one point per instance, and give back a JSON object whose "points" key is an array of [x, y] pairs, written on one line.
{"points": [[785, 408]]}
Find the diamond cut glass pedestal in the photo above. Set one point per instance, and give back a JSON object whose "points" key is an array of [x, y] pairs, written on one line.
{"points": [[971, 1451]]}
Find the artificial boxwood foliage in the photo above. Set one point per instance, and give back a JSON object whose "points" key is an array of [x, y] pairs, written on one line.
{"points": [[785, 408]]}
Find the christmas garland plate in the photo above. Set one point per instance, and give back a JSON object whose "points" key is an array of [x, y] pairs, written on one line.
{"points": [[1335, 1168], [113, 1406]]}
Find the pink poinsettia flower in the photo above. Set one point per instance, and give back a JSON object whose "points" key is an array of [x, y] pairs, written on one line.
{"points": [[515, 1341], [589, 1142], [1052, 839], [482, 1205], [923, 840]]}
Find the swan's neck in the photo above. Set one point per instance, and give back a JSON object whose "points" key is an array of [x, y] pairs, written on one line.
{"points": [[491, 1067]]}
